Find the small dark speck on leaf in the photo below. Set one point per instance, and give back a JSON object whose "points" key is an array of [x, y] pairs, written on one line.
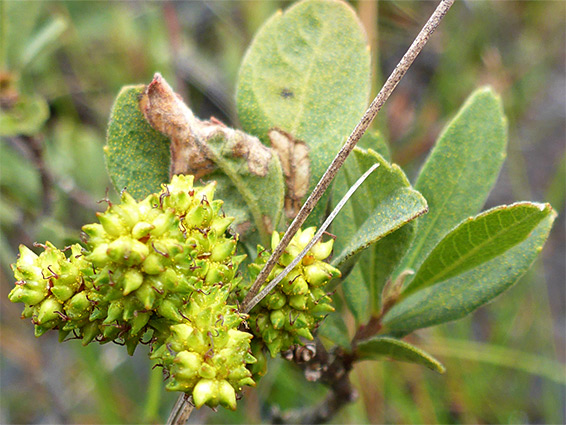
{"points": [[285, 93]]}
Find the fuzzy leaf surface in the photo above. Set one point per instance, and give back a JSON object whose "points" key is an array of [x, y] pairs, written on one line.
{"points": [[462, 294], [395, 349], [307, 73], [377, 215], [137, 156], [460, 171], [357, 293], [477, 240], [374, 140], [263, 191], [334, 329]]}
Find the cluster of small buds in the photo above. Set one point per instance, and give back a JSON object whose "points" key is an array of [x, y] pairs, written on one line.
{"points": [[205, 354], [54, 290], [146, 268], [296, 306], [150, 256], [164, 269]]}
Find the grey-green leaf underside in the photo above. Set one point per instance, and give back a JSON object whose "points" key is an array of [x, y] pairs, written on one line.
{"points": [[137, 156]]}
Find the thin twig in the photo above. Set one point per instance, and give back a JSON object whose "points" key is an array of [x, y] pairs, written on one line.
{"points": [[181, 410], [252, 303], [396, 76], [329, 368]]}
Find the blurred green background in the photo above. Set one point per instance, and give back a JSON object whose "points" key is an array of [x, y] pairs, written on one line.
{"points": [[62, 64]]}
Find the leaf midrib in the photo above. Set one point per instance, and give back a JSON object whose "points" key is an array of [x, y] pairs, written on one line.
{"points": [[421, 239], [462, 259]]}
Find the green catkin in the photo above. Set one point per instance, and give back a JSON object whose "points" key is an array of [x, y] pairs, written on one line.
{"points": [[165, 268], [206, 354], [164, 265], [292, 310]]}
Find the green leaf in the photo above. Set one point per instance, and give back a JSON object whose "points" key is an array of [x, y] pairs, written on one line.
{"points": [[460, 171], [263, 191], [26, 117], [374, 140], [334, 330], [477, 240], [307, 73], [356, 294], [383, 346], [462, 294], [234, 205], [137, 156], [383, 204]]}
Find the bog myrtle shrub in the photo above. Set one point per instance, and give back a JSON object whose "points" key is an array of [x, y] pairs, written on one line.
{"points": [[203, 206]]}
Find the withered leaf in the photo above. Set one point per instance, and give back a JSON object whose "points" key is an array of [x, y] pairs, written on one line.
{"points": [[168, 114], [201, 147], [237, 144]]}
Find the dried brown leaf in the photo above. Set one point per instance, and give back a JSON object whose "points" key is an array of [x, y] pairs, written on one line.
{"points": [[168, 114], [237, 145]]}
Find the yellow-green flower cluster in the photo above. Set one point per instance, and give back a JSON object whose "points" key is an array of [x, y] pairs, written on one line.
{"points": [[206, 354], [295, 307], [146, 268]]}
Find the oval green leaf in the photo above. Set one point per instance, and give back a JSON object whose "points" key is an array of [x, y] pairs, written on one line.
{"points": [[137, 156], [395, 349], [462, 294], [477, 240], [384, 203], [460, 171], [307, 73]]}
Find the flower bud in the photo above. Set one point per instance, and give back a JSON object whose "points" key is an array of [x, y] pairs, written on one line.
{"points": [[111, 224], [133, 279], [48, 310]]}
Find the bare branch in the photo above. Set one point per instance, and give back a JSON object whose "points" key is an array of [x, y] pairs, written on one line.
{"points": [[332, 369], [396, 76], [181, 410]]}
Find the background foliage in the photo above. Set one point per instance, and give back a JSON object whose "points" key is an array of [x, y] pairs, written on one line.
{"points": [[68, 60]]}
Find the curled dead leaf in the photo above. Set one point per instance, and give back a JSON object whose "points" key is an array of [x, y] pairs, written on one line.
{"points": [[190, 154], [268, 225], [199, 147], [257, 155], [168, 114], [294, 156]]}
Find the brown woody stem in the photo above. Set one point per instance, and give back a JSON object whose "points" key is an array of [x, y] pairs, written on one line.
{"points": [[181, 410]]}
